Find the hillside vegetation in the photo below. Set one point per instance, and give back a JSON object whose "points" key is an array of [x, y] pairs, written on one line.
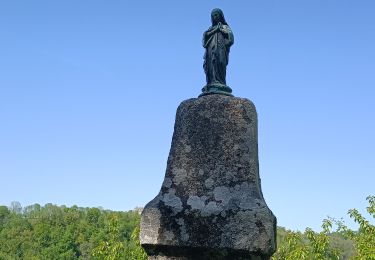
{"points": [[60, 232]]}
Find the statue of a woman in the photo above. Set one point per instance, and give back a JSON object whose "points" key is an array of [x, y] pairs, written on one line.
{"points": [[217, 41]]}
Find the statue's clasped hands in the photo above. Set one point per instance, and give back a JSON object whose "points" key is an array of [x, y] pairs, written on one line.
{"points": [[219, 27]]}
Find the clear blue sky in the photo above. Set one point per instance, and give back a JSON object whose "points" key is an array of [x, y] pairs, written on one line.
{"points": [[89, 91]]}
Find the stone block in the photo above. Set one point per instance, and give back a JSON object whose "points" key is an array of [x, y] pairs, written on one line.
{"points": [[210, 205]]}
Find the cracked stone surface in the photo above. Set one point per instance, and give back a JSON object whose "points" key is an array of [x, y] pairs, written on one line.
{"points": [[210, 205]]}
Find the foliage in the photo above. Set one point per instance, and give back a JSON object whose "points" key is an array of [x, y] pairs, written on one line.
{"points": [[309, 245], [114, 247], [364, 238], [343, 243], [60, 232]]}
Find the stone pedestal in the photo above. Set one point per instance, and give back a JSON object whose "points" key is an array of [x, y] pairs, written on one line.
{"points": [[210, 205]]}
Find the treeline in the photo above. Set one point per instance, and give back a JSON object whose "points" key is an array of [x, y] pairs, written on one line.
{"points": [[300, 245], [335, 241], [59, 232]]}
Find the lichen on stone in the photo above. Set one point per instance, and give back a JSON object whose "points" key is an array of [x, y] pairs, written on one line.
{"points": [[211, 196]]}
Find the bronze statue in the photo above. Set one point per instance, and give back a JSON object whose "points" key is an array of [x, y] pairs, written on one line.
{"points": [[217, 41]]}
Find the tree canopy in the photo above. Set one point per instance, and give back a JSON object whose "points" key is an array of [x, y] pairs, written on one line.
{"points": [[60, 232]]}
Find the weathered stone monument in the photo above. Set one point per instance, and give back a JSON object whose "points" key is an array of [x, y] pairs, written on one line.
{"points": [[210, 205]]}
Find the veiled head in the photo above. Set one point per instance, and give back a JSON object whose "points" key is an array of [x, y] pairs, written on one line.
{"points": [[217, 16]]}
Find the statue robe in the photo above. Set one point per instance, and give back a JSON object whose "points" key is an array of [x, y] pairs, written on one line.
{"points": [[216, 56]]}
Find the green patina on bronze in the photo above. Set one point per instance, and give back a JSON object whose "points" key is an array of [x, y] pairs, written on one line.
{"points": [[217, 41]]}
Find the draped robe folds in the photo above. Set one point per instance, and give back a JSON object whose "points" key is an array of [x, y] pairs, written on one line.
{"points": [[216, 56]]}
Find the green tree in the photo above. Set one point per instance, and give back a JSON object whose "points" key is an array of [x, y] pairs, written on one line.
{"points": [[310, 245], [4, 215], [60, 232], [113, 248], [320, 248], [364, 238], [15, 207], [135, 250], [344, 243]]}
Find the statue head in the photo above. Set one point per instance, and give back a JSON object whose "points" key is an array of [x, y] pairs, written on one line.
{"points": [[217, 16]]}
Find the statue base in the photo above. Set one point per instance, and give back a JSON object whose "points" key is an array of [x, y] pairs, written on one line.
{"points": [[216, 88], [210, 205]]}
